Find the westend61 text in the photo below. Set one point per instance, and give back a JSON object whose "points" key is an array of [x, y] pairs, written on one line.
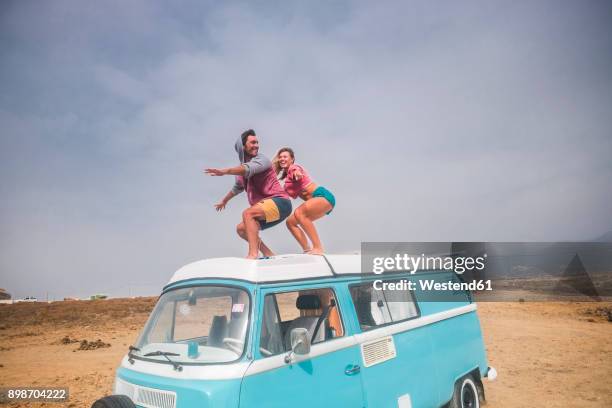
{"points": [[430, 284]]}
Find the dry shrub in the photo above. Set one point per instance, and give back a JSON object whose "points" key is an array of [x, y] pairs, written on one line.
{"points": [[92, 345]]}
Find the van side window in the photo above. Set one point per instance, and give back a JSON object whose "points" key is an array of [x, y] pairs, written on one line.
{"points": [[379, 307], [314, 309]]}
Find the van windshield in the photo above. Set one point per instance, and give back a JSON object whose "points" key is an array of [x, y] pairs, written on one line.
{"points": [[203, 324]]}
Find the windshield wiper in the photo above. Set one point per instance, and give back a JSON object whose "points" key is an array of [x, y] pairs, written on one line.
{"points": [[132, 348], [176, 365]]}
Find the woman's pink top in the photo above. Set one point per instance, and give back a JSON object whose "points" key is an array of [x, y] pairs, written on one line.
{"points": [[293, 187]]}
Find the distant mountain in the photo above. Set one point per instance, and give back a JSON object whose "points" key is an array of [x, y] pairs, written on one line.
{"points": [[538, 259], [607, 237]]}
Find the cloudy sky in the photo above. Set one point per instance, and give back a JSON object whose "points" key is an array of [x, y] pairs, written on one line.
{"points": [[428, 120]]}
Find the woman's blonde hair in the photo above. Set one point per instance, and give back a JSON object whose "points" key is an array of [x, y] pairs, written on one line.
{"points": [[276, 164]]}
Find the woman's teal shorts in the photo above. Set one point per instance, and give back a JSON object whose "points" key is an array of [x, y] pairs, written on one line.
{"points": [[326, 194]]}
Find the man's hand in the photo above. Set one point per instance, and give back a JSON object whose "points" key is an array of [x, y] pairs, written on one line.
{"points": [[216, 172], [220, 206]]}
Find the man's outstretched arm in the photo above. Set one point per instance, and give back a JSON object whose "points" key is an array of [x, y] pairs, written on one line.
{"points": [[221, 205], [237, 188], [233, 171]]}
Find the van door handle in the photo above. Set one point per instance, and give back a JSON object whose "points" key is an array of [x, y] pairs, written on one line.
{"points": [[352, 370]]}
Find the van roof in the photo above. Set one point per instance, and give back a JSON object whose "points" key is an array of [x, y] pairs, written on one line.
{"points": [[274, 269]]}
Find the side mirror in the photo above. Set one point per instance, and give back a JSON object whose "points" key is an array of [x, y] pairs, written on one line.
{"points": [[300, 343]]}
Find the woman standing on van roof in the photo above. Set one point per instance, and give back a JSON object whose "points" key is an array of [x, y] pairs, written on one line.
{"points": [[318, 200]]}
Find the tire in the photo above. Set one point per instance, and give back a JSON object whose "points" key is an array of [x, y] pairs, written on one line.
{"points": [[114, 401], [466, 394]]}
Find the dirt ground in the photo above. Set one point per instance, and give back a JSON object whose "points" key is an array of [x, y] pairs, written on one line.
{"points": [[546, 354]]}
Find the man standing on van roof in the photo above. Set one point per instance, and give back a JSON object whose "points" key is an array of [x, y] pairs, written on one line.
{"points": [[269, 202]]}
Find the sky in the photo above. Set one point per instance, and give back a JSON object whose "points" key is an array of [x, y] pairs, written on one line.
{"points": [[429, 121]]}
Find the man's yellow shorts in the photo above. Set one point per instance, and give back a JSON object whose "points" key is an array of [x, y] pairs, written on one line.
{"points": [[275, 209]]}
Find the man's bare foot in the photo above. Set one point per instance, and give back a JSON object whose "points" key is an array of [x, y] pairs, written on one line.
{"points": [[316, 251], [251, 256], [307, 251], [265, 251]]}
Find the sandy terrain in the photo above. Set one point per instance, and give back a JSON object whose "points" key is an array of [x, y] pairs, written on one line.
{"points": [[547, 354]]}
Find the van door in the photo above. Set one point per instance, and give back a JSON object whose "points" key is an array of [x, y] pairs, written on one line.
{"points": [[327, 376], [398, 363]]}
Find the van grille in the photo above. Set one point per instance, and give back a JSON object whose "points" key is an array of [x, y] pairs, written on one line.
{"points": [[378, 351], [150, 398], [146, 397], [124, 388]]}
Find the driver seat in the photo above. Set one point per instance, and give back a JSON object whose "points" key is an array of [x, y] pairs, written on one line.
{"points": [[218, 331], [306, 302]]}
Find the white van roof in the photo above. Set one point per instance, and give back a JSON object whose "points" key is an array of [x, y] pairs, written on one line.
{"points": [[274, 269]]}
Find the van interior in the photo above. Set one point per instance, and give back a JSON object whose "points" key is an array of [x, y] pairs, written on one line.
{"points": [[314, 310]]}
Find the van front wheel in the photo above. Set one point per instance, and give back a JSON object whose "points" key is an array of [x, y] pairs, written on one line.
{"points": [[114, 401], [466, 394]]}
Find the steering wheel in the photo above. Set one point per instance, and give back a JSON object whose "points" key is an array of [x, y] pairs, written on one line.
{"points": [[265, 351], [234, 344]]}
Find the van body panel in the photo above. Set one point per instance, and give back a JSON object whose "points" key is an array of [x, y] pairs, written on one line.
{"points": [[459, 349], [310, 382], [316, 379], [189, 393], [224, 371], [410, 372]]}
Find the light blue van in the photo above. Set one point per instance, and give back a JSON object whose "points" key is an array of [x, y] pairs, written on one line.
{"points": [[301, 331]]}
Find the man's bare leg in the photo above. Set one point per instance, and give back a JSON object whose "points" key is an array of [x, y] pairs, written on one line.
{"points": [[250, 218], [241, 230], [264, 249]]}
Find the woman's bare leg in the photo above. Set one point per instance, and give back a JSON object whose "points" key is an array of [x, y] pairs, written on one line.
{"points": [[297, 232], [308, 212]]}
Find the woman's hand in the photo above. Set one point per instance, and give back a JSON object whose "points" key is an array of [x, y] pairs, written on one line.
{"points": [[296, 174]]}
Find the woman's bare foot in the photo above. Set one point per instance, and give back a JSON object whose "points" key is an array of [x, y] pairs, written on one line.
{"points": [[307, 251], [251, 256], [316, 251]]}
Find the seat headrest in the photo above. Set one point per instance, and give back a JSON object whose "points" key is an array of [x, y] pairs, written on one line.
{"points": [[308, 302]]}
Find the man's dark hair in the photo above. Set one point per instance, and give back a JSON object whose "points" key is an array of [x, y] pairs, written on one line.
{"points": [[246, 134]]}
